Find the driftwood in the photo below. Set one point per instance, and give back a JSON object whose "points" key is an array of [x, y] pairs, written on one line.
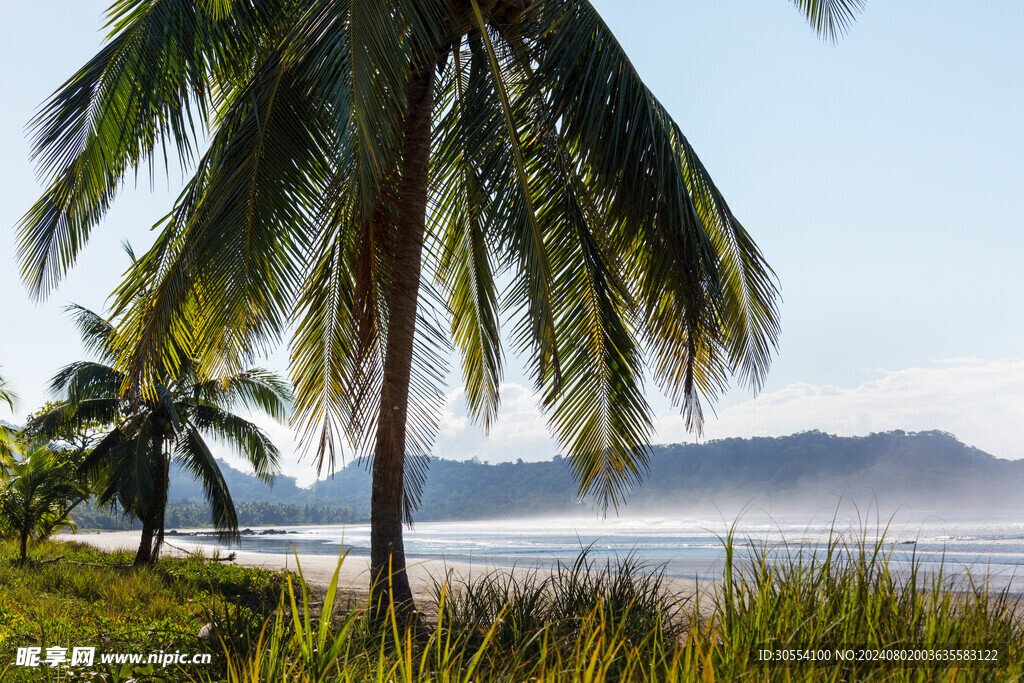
{"points": [[229, 558], [194, 553]]}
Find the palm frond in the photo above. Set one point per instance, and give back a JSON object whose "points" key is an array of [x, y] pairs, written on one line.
{"points": [[104, 450], [380, 66], [459, 224], [707, 297], [600, 411], [246, 212], [255, 389], [830, 18], [156, 312], [243, 436], [127, 464], [7, 438], [193, 453], [7, 435], [7, 394], [140, 468], [147, 87], [533, 293], [431, 349], [338, 357], [97, 333], [338, 348], [86, 379]]}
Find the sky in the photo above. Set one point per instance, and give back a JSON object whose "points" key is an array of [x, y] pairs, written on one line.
{"points": [[881, 177]]}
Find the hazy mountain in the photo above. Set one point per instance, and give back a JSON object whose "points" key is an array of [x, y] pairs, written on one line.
{"points": [[812, 469], [243, 486], [923, 470]]}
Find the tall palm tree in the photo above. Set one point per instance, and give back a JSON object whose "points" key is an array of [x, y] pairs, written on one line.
{"points": [[40, 489], [374, 170], [146, 434]]}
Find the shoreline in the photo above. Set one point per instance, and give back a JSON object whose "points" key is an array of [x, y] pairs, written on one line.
{"points": [[354, 575]]}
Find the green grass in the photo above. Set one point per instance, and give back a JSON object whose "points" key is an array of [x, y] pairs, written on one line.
{"points": [[580, 622], [116, 608], [591, 623], [846, 593]]}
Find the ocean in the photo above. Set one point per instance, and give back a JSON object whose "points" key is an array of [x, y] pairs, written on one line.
{"points": [[981, 543]]}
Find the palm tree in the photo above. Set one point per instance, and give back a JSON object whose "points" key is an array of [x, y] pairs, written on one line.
{"points": [[364, 156], [39, 491], [7, 396], [146, 434]]}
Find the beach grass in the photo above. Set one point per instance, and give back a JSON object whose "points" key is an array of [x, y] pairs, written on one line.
{"points": [[839, 611], [836, 612]]}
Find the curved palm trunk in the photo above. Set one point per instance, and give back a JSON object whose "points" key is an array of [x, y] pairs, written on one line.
{"points": [[153, 525], [388, 578], [144, 555], [161, 512]]}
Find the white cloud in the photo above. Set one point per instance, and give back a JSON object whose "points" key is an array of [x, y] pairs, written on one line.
{"points": [[520, 431], [981, 402]]}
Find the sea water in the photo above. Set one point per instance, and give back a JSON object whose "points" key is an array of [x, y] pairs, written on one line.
{"points": [[982, 543]]}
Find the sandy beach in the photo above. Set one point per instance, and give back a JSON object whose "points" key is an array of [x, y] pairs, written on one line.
{"points": [[354, 577]]}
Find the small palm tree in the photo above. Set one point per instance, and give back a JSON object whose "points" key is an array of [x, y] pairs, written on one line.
{"points": [[132, 461], [39, 491]]}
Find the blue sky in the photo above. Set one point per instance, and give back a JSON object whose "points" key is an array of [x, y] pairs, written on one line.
{"points": [[881, 177]]}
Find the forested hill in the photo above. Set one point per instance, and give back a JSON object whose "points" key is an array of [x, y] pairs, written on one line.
{"points": [[927, 470]]}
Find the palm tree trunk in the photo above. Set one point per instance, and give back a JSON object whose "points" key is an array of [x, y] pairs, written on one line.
{"points": [[24, 545], [145, 552], [149, 545], [388, 579], [164, 485]]}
